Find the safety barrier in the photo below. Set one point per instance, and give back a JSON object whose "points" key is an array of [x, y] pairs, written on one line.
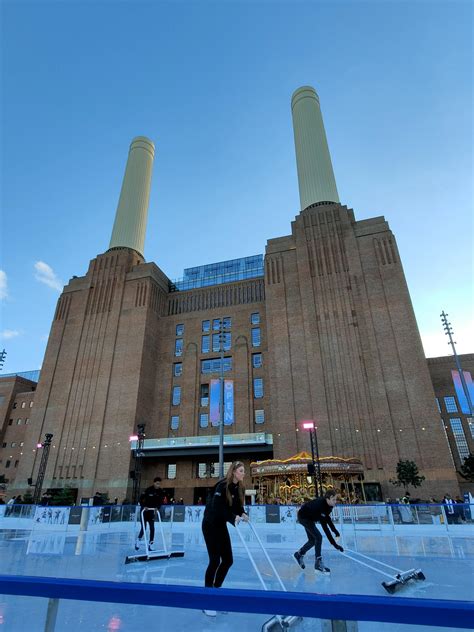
{"points": [[429, 612]]}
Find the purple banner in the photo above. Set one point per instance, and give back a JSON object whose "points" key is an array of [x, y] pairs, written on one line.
{"points": [[228, 402]]}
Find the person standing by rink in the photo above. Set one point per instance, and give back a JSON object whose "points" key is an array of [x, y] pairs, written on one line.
{"points": [[313, 511], [150, 500], [225, 505]]}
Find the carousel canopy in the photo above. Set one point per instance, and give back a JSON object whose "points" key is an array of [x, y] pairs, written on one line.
{"points": [[299, 463]]}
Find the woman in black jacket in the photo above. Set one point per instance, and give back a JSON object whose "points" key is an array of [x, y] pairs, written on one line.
{"points": [[225, 505]]}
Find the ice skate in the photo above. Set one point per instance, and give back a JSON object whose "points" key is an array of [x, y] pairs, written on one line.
{"points": [[138, 544], [319, 566], [299, 559]]}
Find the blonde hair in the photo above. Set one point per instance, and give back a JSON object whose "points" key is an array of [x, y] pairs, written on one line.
{"points": [[230, 479]]}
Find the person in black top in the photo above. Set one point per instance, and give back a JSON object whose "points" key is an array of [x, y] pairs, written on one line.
{"points": [[225, 505], [150, 500], [313, 511]]}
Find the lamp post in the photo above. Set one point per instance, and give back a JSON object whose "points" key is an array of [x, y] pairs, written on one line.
{"points": [[448, 330], [221, 401], [42, 468], [137, 472], [318, 483]]}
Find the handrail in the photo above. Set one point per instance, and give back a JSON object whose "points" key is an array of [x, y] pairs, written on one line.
{"points": [[433, 612]]}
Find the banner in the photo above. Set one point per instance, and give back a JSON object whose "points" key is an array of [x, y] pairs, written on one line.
{"points": [[214, 398], [461, 395], [228, 402]]}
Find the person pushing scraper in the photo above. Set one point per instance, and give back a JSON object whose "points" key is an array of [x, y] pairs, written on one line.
{"points": [[150, 501], [309, 514]]}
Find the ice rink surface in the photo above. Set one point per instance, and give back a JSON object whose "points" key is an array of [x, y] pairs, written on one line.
{"points": [[446, 559]]}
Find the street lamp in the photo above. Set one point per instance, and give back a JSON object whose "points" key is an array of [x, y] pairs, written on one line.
{"points": [[318, 483], [42, 468], [448, 331], [221, 402]]}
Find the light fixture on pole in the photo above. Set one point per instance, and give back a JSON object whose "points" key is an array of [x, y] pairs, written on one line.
{"points": [[316, 466], [221, 400], [448, 331]]}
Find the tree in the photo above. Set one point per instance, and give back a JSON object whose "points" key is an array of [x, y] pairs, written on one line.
{"points": [[467, 468], [64, 497], [407, 474]]}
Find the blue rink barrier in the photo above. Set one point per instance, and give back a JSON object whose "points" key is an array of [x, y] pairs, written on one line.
{"points": [[432, 612]]}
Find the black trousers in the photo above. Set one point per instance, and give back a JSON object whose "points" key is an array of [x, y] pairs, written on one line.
{"points": [[148, 519], [314, 537], [220, 554]]}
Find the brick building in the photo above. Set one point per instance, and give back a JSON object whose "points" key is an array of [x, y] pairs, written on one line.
{"points": [[320, 328]]}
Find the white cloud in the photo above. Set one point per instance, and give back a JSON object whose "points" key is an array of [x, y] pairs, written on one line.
{"points": [[45, 274], [7, 334], [3, 285]]}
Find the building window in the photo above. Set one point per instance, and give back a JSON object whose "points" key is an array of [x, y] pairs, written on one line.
{"points": [[171, 471], [214, 366], [4, 445], [203, 420], [227, 322], [227, 341], [174, 423], [459, 437], [438, 404], [23, 404], [177, 369], [18, 422], [14, 405], [179, 330], [16, 463], [216, 344], [10, 422], [256, 337], [259, 416], [470, 422], [22, 443], [178, 347], [216, 324], [27, 421], [7, 464], [255, 318], [206, 326], [205, 342], [202, 470], [204, 395], [176, 395], [31, 404], [450, 404], [256, 360], [258, 387], [13, 444]]}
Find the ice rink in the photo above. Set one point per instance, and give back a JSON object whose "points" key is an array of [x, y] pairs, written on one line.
{"points": [[446, 557]]}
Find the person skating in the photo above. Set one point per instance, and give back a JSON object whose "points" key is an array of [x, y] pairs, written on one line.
{"points": [[225, 505], [313, 511], [150, 500]]}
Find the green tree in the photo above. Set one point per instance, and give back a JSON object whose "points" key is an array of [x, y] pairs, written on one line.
{"points": [[64, 497], [467, 468], [407, 474], [27, 498]]}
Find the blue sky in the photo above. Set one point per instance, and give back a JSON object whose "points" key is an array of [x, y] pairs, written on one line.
{"points": [[210, 83]]}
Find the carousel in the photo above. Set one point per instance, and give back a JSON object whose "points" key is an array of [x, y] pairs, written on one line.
{"points": [[288, 481]]}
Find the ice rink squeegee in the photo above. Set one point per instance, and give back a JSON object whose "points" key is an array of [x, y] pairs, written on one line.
{"points": [[149, 555], [396, 581]]}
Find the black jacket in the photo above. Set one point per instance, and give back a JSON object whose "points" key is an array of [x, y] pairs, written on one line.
{"points": [[152, 498], [319, 511], [218, 511]]}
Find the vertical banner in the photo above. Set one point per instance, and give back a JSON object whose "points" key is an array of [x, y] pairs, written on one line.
{"points": [[228, 402], [460, 391], [214, 397]]}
